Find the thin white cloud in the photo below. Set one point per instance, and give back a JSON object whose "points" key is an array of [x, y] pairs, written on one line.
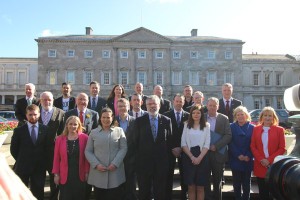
{"points": [[48, 32], [163, 1], [7, 19]]}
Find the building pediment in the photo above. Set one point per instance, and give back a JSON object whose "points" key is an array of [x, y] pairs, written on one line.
{"points": [[141, 35]]}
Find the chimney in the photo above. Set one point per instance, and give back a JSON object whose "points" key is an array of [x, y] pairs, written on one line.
{"points": [[194, 32], [88, 30]]}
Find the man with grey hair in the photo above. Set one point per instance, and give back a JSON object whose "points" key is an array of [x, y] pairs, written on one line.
{"points": [[139, 88], [165, 105], [21, 104], [152, 137], [51, 117], [220, 137]]}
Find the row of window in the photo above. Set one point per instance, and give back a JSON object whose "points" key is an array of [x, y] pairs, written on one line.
{"points": [[106, 77], [142, 54], [266, 78], [260, 102]]}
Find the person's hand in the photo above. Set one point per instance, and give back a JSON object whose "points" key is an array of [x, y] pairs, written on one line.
{"points": [[265, 163], [56, 179], [246, 158], [213, 148], [197, 161], [241, 157], [176, 152], [111, 167], [101, 168], [11, 186]]}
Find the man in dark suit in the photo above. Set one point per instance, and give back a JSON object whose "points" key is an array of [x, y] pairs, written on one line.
{"points": [[188, 98], [88, 117], [126, 122], [66, 102], [138, 88], [227, 103], [152, 139], [51, 117], [217, 154], [177, 116], [96, 103], [198, 98], [165, 105], [29, 149], [21, 104], [136, 103]]}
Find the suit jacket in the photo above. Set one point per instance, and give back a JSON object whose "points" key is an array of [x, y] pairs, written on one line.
{"points": [[91, 119], [55, 126], [101, 103], [29, 156], [130, 155], [234, 104], [143, 112], [165, 106], [177, 131], [149, 151], [58, 103], [276, 146], [223, 128], [60, 162], [20, 109]]}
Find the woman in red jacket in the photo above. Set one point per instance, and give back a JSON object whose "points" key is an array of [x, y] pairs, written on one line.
{"points": [[70, 167], [267, 142]]}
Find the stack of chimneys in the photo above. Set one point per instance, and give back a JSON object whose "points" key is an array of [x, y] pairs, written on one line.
{"points": [[194, 32], [88, 30]]}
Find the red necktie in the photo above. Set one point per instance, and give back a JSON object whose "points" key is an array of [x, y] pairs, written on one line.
{"points": [[81, 117], [227, 108]]}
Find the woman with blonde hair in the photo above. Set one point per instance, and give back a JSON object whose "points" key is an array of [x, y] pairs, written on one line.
{"points": [[239, 151], [267, 142], [70, 167]]}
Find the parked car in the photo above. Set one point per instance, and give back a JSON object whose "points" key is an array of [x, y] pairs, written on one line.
{"points": [[3, 120], [282, 115], [9, 115]]}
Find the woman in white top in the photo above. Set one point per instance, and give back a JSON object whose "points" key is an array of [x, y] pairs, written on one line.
{"points": [[195, 143]]}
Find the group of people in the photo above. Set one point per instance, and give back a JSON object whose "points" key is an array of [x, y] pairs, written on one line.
{"points": [[109, 145]]}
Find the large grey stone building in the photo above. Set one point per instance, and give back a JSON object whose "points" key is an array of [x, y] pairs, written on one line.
{"points": [[144, 56]]}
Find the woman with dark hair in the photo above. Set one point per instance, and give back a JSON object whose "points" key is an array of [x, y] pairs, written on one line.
{"points": [[105, 151], [116, 93], [70, 167], [195, 143], [267, 142], [240, 155]]}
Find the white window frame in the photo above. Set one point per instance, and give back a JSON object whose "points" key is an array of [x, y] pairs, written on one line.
{"points": [[194, 54], [51, 53], [19, 78], [257, 101], [121, 73], [267, 79], [228, 55], [142, 54], [103, 81], [268, 103], [177, 78], [229, 77], [70, 53], [254, 81], [88, 53], [86, 80], [158, 53], [52, 74], [194, 77], [105, 53], [211, 78], [123, 54], [211, 54], [278, 78], [72, 82], [156, 78], [176, 54], [7, 81], [279, 102], [140, 79]]}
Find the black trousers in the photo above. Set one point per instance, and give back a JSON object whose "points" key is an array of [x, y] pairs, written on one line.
{"points": [[108, 194], [130, 184], [263, 188], [36, 181], [54, 189]]}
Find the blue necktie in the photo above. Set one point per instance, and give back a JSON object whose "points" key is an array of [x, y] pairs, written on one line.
{"points": [[153, 128], [93, 103], [178, 118], [33, 134]]}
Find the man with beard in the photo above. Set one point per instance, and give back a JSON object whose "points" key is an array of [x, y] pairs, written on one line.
{"points": [[66, 101], [152, 139], [29, 149]]}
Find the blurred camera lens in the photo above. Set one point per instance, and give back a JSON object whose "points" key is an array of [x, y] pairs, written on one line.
{"points": [[283, 178]]}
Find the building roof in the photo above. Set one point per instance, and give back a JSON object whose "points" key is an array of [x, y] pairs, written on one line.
{"points": [[278, 57]]}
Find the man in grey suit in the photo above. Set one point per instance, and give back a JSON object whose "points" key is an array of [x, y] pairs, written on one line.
{"points": [[88, 117], [126, 122], [220, 137], [51, 117], [136, 102], [96, 102]]}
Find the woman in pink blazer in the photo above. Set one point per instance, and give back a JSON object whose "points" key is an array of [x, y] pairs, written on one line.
{"points": [[70, 167], [267, 142]]}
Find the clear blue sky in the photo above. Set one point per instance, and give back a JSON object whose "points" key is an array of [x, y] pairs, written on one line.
{"points": [[267, 26]]}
